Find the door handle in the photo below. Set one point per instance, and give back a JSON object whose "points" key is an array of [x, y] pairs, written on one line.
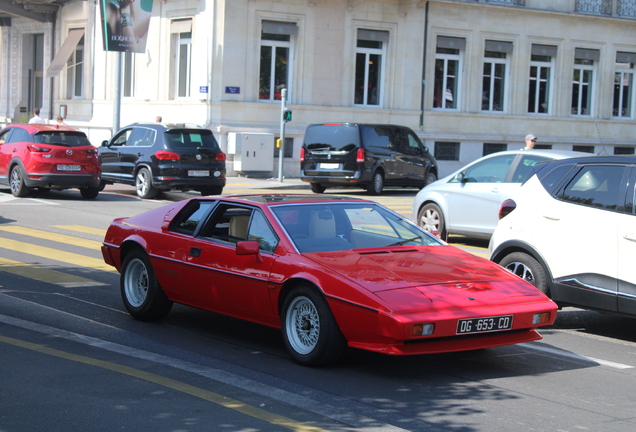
{"points": [[195, 251]]}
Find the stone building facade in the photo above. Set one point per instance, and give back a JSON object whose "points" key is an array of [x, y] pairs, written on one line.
{"points": [[469, 76]]}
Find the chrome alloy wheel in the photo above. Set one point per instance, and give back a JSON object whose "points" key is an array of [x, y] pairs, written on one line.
{"points": [[143, 183], [521, 270], [136, 283], [430, 220], [303, 324]]}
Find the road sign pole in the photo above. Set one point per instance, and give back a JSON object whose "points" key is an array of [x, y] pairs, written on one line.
{"points": [[281, 150]]}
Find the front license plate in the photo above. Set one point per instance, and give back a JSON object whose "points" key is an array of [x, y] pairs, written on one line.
{"points": [[484, 325], [194, 173], [68, 168], [329, 166]]}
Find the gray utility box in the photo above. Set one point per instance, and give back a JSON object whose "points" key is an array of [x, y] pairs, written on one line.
{"points": [[252, 151]]}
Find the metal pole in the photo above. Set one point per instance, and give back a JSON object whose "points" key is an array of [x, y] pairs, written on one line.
{"points": [[281, 151], [117, 92]]}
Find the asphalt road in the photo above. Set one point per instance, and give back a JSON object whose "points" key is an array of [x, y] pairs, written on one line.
{"points": [[73, 360]]}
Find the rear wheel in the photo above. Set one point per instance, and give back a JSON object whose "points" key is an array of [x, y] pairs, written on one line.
{"points": [[143, 297], [429, 178], [143, 184], [89, 192], [16, 182], [310, 331], [377, 184], [431, 219], [317, 188], [212, 190], [528, 269]]}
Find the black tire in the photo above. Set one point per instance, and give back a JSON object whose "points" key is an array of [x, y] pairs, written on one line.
{"points": [[317, 188], [429, 178], [16, 183], [528, 269], [310, 332], [377, 184], [89, 192], [431, 218], [212, 190], [143, 298], [143, 184], [102, 185]]}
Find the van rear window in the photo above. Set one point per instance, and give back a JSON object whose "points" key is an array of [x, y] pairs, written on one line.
{"points": [[332, 138]]}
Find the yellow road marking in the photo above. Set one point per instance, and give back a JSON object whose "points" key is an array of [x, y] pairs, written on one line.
{"points": [[57, 255], [45, 275], [46, 235], [209, 396], [83, 229]]}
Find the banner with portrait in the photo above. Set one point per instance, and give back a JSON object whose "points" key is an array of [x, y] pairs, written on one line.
{"points": [[125, 24]]}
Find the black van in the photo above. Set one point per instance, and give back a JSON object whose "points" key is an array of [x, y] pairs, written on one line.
{"points": [[370, 156]]}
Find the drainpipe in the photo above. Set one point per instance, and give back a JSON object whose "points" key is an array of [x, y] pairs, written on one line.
{"points": [[424, 67], [51, 80]]}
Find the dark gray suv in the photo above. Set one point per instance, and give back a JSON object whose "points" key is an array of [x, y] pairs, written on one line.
{"points": [[370, 156], [156, 156]]}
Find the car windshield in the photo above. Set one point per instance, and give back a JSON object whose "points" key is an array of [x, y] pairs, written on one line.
{"points": [[323, 227], [62, 138], [332, 138], [191, 140]]}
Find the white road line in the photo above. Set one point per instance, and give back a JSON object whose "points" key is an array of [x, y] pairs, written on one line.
{"points": [[576, 356]]}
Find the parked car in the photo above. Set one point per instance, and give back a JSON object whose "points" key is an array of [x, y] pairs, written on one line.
{"points": [[466, 202], [156, 157], [330, 272], [570, 230], [48, 157], [364, 155]]}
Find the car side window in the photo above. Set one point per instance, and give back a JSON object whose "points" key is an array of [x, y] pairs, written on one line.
{"points": [[261, 232], [122, 138], [191, 216], [142, 137], [595, 186], [524, 168], [493, 170], [228, 224], [413, 144], [4, 136], [20, 135]]}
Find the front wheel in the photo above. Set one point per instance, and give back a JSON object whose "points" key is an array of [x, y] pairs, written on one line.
{"points": [[310, 331], [528, 269], [143, 184], [377, 184], [16, 182], [431, 219], [212, 190], [143, 297], [317, 188]]}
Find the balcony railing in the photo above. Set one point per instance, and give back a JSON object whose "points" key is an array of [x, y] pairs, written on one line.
{"points": [[598, 7], [626, 8], [510, 2]]}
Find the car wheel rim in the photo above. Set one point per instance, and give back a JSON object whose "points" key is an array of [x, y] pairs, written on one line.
{"points": [[142, 183], [136, 283], [522, 271], [430, 221], [377, 183], [303, 325], [16, 180]]}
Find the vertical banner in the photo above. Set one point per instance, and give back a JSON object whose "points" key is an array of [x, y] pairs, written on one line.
{"points": [[125, 24]]}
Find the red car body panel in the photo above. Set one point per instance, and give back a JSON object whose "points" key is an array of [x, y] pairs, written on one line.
{"points": [[376, 295]]}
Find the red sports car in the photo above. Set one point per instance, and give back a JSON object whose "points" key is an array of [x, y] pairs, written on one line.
{"points": [[328, 271], [48, 157]]}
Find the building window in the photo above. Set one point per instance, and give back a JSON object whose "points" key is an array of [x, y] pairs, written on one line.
{"points": [[370, 54], [181, 32], [583, 81], [541, 76], [623, 150], [490, 148], [128, 75], [583, 148], [448, 151], [289, 147], [624, 85], [276, 59], [75, 72], [448, 62], [494, 78]]}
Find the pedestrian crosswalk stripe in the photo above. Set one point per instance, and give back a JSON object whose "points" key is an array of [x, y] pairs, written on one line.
{"points": [[46, 235], [45, 275], [55, 254], [82, 229]]}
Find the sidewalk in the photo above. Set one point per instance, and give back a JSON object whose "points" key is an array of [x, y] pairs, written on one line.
{"points": [[263, 183]]}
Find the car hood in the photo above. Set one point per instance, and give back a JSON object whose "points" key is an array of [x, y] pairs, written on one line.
{"points": [[415, 277]]}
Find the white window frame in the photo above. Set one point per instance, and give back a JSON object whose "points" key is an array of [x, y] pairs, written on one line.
{"points": [[446, 58], [622, 71], [73, 68], [368, 52], [550, 80], [493, 61], [128, 74], [273, 45], [582, 69], [183, 43]]}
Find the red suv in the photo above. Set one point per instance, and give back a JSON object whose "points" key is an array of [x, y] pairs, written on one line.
{"points": [[48, 157]]}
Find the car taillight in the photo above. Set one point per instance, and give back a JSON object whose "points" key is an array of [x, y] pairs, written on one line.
{"points": [[360, 155], [506, 208], [167, 155], [220, 156], [37, 149], [302, 154], [91, 151]]}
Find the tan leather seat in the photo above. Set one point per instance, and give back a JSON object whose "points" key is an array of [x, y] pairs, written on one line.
{"points": [[238, 226], [322, 224]]}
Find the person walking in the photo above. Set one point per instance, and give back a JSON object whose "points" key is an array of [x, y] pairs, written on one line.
{"points": [[530, 142], [36, 119]]}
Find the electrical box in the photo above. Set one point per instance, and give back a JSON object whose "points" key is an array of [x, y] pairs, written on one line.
{"points": [[252, 151]]}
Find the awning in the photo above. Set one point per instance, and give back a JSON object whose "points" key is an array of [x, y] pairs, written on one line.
{"points": [[65, 51], [280, 27], [181, 26]]}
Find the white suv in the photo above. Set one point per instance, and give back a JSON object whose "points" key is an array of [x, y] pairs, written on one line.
{"points": [[570, 230]]}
